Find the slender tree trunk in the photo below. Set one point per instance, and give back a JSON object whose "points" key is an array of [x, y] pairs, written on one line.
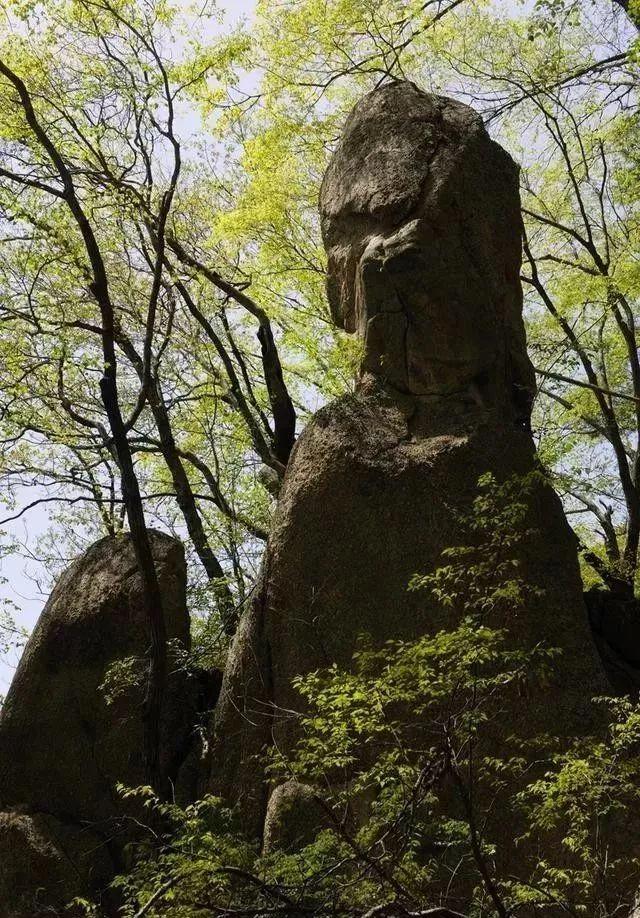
{"points": [[184, 492], [152, 706], [99, 287], [190, 512]]}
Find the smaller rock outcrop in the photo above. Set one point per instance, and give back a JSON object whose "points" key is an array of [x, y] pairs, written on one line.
{"points": [[63, 749], [293, 817], [44, 864]]}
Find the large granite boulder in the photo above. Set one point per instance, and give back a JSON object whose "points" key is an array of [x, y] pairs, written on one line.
{"points": [[421, 220], [63, 748]]}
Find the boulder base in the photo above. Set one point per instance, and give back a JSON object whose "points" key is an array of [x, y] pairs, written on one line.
{"points": [[368, 502], [44, 864]]}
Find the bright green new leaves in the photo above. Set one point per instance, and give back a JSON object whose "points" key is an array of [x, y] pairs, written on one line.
{"points": [[114, 87], [256, 112]]}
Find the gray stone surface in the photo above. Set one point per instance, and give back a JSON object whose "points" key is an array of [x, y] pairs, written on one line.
{"points": [[293, 817], [421, 222], [44, 864]]}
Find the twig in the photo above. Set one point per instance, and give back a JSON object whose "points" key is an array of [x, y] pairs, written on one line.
{"points": [[586, 385]]}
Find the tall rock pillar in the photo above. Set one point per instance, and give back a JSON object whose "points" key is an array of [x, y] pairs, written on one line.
{"points": [[421, 221]]}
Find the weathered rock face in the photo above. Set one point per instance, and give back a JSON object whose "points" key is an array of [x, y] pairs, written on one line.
{"points": [[62, 748], [420, 214], [421, 221]]}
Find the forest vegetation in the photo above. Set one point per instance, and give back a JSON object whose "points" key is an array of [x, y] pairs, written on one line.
{"points": [[165, 337]]}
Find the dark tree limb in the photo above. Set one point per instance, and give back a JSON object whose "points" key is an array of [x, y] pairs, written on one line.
{"points": [[99, 287], [282, 408]]}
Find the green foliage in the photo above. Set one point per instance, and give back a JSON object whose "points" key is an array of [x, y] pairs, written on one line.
{"points": [[202, 861], [589, 799], [124, 680], [124, 677], [401, 757], [257, 110], [11, 635]]}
